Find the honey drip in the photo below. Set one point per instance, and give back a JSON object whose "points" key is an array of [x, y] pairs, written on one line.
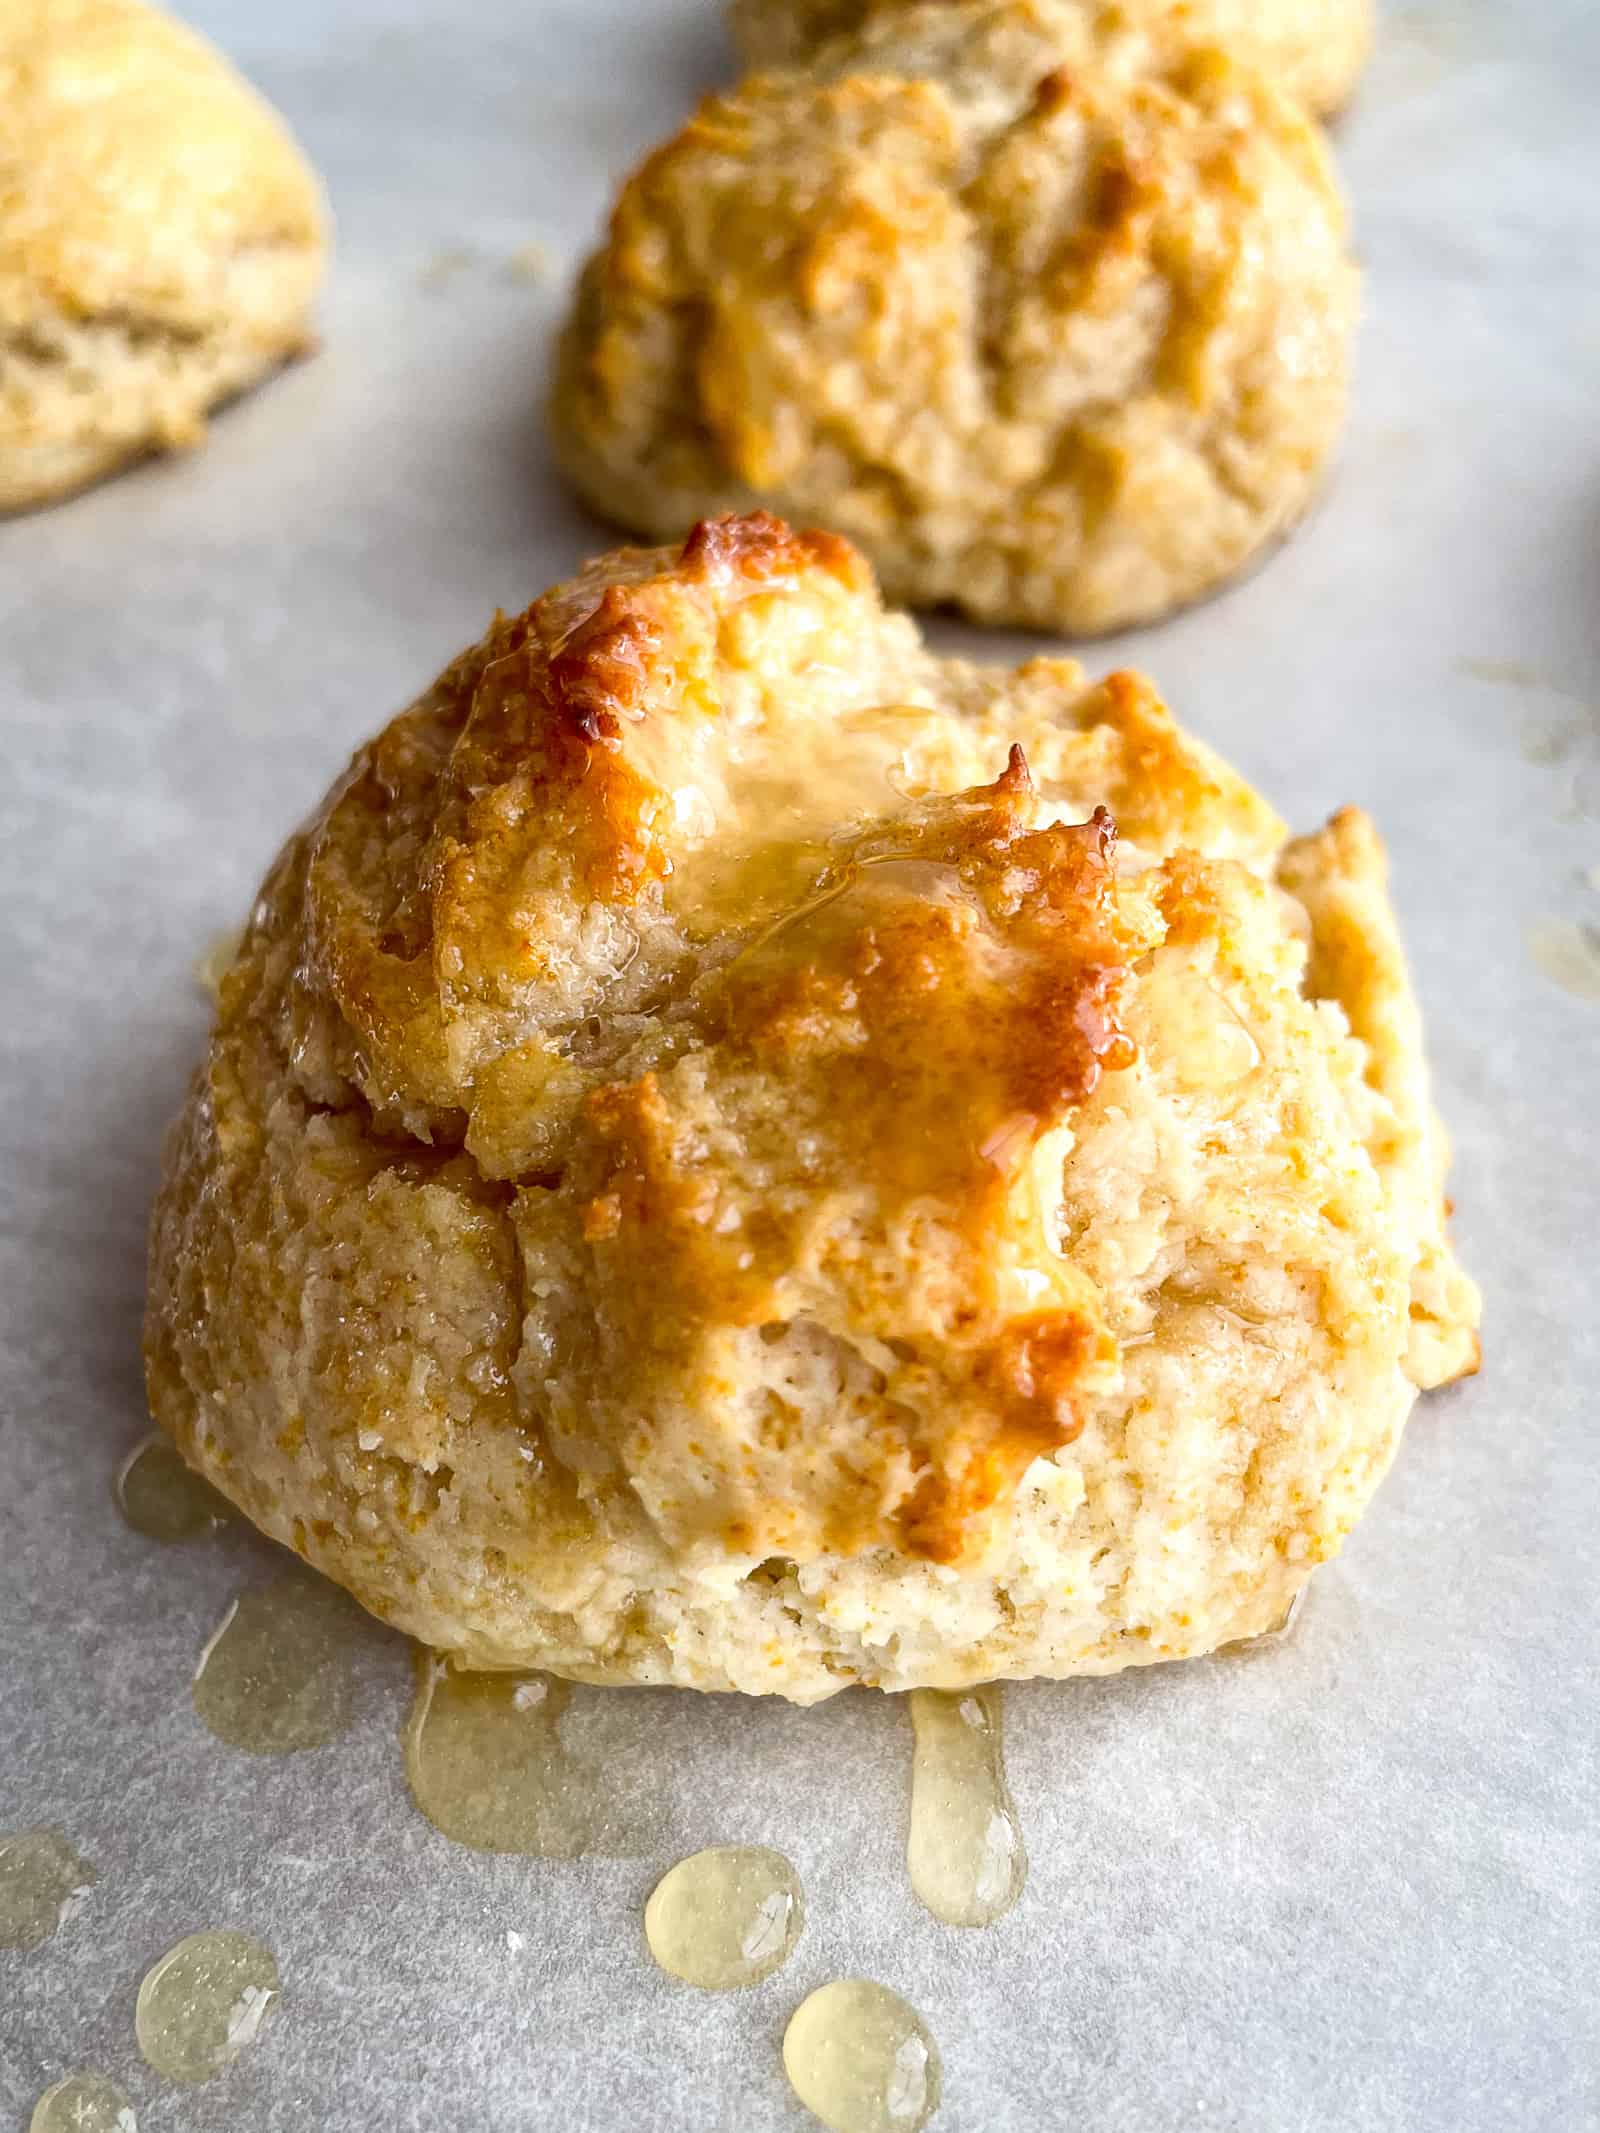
{"points": [[278, 1674], [42, 1882], [487, 1765], [203, 2003], [725, 1917], [164, 1499], [965, 1852], [83, 2103], [861, 2060]]}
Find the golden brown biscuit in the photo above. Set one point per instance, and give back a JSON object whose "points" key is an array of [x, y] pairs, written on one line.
{"points": [[160, 240], [737, 1151], [1063, 346], [1314, 49]]}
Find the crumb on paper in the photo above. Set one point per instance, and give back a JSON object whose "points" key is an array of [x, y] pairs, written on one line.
{"points": [[1512, 674], [530, 262], [444, 265], [1568, 954], [1505, 673]]}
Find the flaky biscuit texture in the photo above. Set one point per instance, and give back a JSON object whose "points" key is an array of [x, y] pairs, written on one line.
{"points": [[1313, 49], [161, 238], [1051, 318], [738, 1151]]}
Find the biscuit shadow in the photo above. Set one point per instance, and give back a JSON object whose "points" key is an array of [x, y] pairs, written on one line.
{"points": [[682, 57], [88, 1292], [87, 1268], [557, 523]]}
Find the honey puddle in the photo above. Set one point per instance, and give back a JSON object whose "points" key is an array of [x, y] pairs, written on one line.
{"points": [[488, 1767], [42, 1882], [203, 2003], [83, 2103], [861, 2060], [163, 1498], [278, 1673], [965, 1852], [725, 1917]]}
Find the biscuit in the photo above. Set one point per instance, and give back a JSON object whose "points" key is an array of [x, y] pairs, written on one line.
{"points": [[1313, 49], [1062, 346], [161, 237], [737, 1151]]}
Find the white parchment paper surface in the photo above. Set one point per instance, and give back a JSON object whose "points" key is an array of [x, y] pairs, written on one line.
{"points": [[1350, 1887]]}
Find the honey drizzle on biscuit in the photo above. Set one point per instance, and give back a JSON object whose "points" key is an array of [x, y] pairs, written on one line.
{"points": [[765, 841]]}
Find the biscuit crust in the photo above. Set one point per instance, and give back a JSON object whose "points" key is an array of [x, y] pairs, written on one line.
{"points": [[1313, 49], [737, 1151], [1051, 320], [161, 238]]}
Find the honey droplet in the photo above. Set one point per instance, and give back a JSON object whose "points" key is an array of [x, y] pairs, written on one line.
{"points": [[42, 1882], [965, 1852], [203, 2003], [83, 2103], [278, 1674], [725, 1917], [162, 1497], [486, 1763], [861, 2060]]}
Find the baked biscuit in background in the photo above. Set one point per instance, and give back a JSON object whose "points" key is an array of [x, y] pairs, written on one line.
{"points": [[736, 1151], [161, 238], [1314, 49], [1063, 345]]}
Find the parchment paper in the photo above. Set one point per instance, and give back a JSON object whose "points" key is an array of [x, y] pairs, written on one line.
{"points": [[1352, 1886]]}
